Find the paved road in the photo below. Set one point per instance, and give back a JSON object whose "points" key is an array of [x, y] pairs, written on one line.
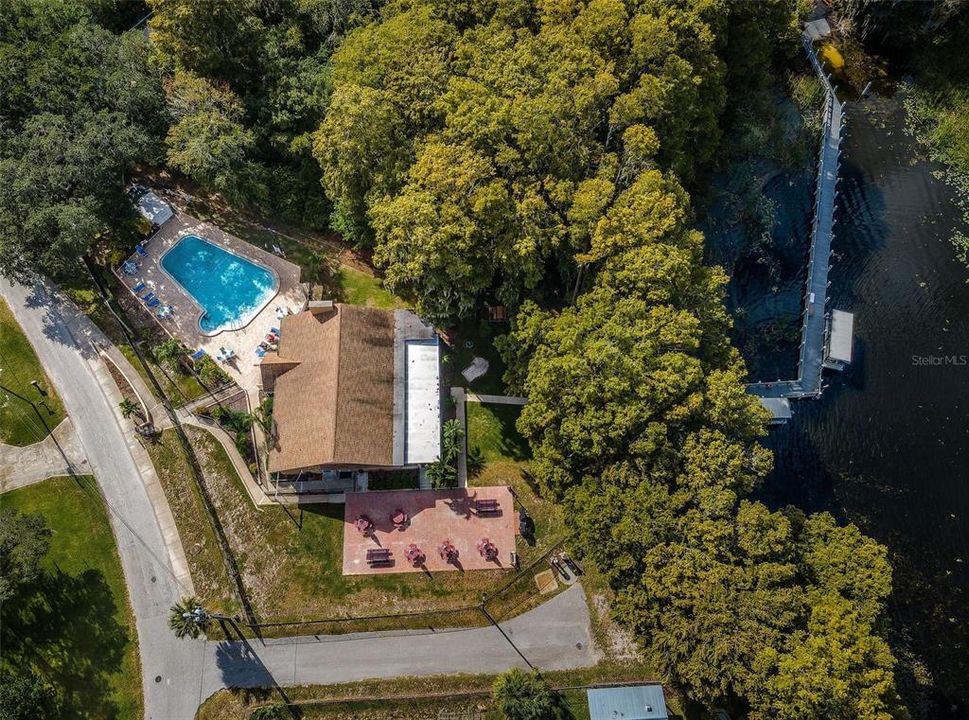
{"points": [[178, 675], [62, 337], [553, 636]]}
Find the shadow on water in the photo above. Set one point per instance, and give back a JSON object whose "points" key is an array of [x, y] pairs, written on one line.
{"points": [[887, 447]]}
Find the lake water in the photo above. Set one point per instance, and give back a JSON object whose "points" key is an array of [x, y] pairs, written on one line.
{"points": [[887, 446]]}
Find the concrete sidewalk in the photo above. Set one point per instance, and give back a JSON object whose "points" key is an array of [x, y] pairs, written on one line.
{"points": [[60, 453]]}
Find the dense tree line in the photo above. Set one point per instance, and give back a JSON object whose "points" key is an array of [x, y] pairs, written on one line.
{"points": [[475, 145], [24, 541], [247, 83], [226, 92], [79, 105], [519, 150], [640, 424]]}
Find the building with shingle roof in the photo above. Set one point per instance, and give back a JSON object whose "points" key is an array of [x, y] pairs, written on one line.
{"points": [[354, 388]]}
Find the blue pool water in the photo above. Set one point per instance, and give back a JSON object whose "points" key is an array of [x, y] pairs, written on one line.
{"points": [[230, 289]]}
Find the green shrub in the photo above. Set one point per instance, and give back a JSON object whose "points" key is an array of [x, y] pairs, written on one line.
{"points": [[524, 696], [211, 374]]}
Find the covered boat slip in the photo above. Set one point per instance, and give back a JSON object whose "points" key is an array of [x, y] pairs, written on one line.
{"points": [[780, 409], [840, 339]]}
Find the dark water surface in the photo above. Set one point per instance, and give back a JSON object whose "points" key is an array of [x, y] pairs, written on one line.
{"points": [[887, 447]]}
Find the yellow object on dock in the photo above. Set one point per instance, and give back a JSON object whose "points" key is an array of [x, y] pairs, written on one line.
{"points": [[832, 57]]}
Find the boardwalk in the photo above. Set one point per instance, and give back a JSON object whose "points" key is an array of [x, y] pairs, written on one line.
{"points": [[814, 317]]}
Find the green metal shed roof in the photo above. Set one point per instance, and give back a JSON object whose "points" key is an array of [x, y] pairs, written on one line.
{"points": [[638, 702]]}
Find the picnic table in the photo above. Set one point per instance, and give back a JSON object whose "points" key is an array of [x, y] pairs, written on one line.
{"points": [[486, 505], [378, 556]]}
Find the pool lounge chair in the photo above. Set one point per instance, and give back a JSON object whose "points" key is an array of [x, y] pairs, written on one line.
{"points": [[140, 250], [139, 287], [147, 298], [198, 355], [274, 331], [260, 352], [153, 303]]}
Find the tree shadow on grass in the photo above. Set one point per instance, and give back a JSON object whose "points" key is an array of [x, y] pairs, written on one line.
{"points": [[513, 444], [65, 626]]}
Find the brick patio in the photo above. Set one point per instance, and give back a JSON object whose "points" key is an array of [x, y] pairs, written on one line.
{"points": [[435, 515], [183, 323]]}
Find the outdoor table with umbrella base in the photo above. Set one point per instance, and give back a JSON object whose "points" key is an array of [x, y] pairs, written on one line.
{"points": [[364, 525], [487, 549], [399, 519], [414, 554], [449, 553]]}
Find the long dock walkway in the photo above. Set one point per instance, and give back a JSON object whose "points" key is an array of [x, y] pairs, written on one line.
{"points": [[814, 320]]}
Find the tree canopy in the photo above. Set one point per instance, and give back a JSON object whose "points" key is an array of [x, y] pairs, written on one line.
{"points": [[264, 67], [522, 695], [79, 105], [24, 541], [476, 145]]}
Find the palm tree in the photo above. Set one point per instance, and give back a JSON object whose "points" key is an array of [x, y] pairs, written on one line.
{"points": [[524, 696], [168, 352], [476, 461], [188, 618], [127, 407], [451, 441]]}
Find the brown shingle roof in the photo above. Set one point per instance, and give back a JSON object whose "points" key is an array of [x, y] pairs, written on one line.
{"points": [[335, 406]]}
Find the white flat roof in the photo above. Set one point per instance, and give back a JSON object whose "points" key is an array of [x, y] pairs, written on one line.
{"points": [[154, 209], [842, 332], [780, 407], [422, 441]]}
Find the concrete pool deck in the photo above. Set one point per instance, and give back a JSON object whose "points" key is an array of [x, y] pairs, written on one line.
{"points": [[183, 322]]}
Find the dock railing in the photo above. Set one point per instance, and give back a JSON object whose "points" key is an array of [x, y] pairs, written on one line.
{"points": [[814, 314]]}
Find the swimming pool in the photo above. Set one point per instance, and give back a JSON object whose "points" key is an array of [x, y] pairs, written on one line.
{"points": [[230, 289]]}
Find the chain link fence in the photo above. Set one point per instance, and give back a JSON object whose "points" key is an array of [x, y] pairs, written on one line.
{"points": [[519, 593]]}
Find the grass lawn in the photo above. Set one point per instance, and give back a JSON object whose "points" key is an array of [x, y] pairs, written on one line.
{"points": [[430, 697], [20, 422], [492, 432], [481, 337], [211, 579], [359, 288], [291, 558], [74, 626]]}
